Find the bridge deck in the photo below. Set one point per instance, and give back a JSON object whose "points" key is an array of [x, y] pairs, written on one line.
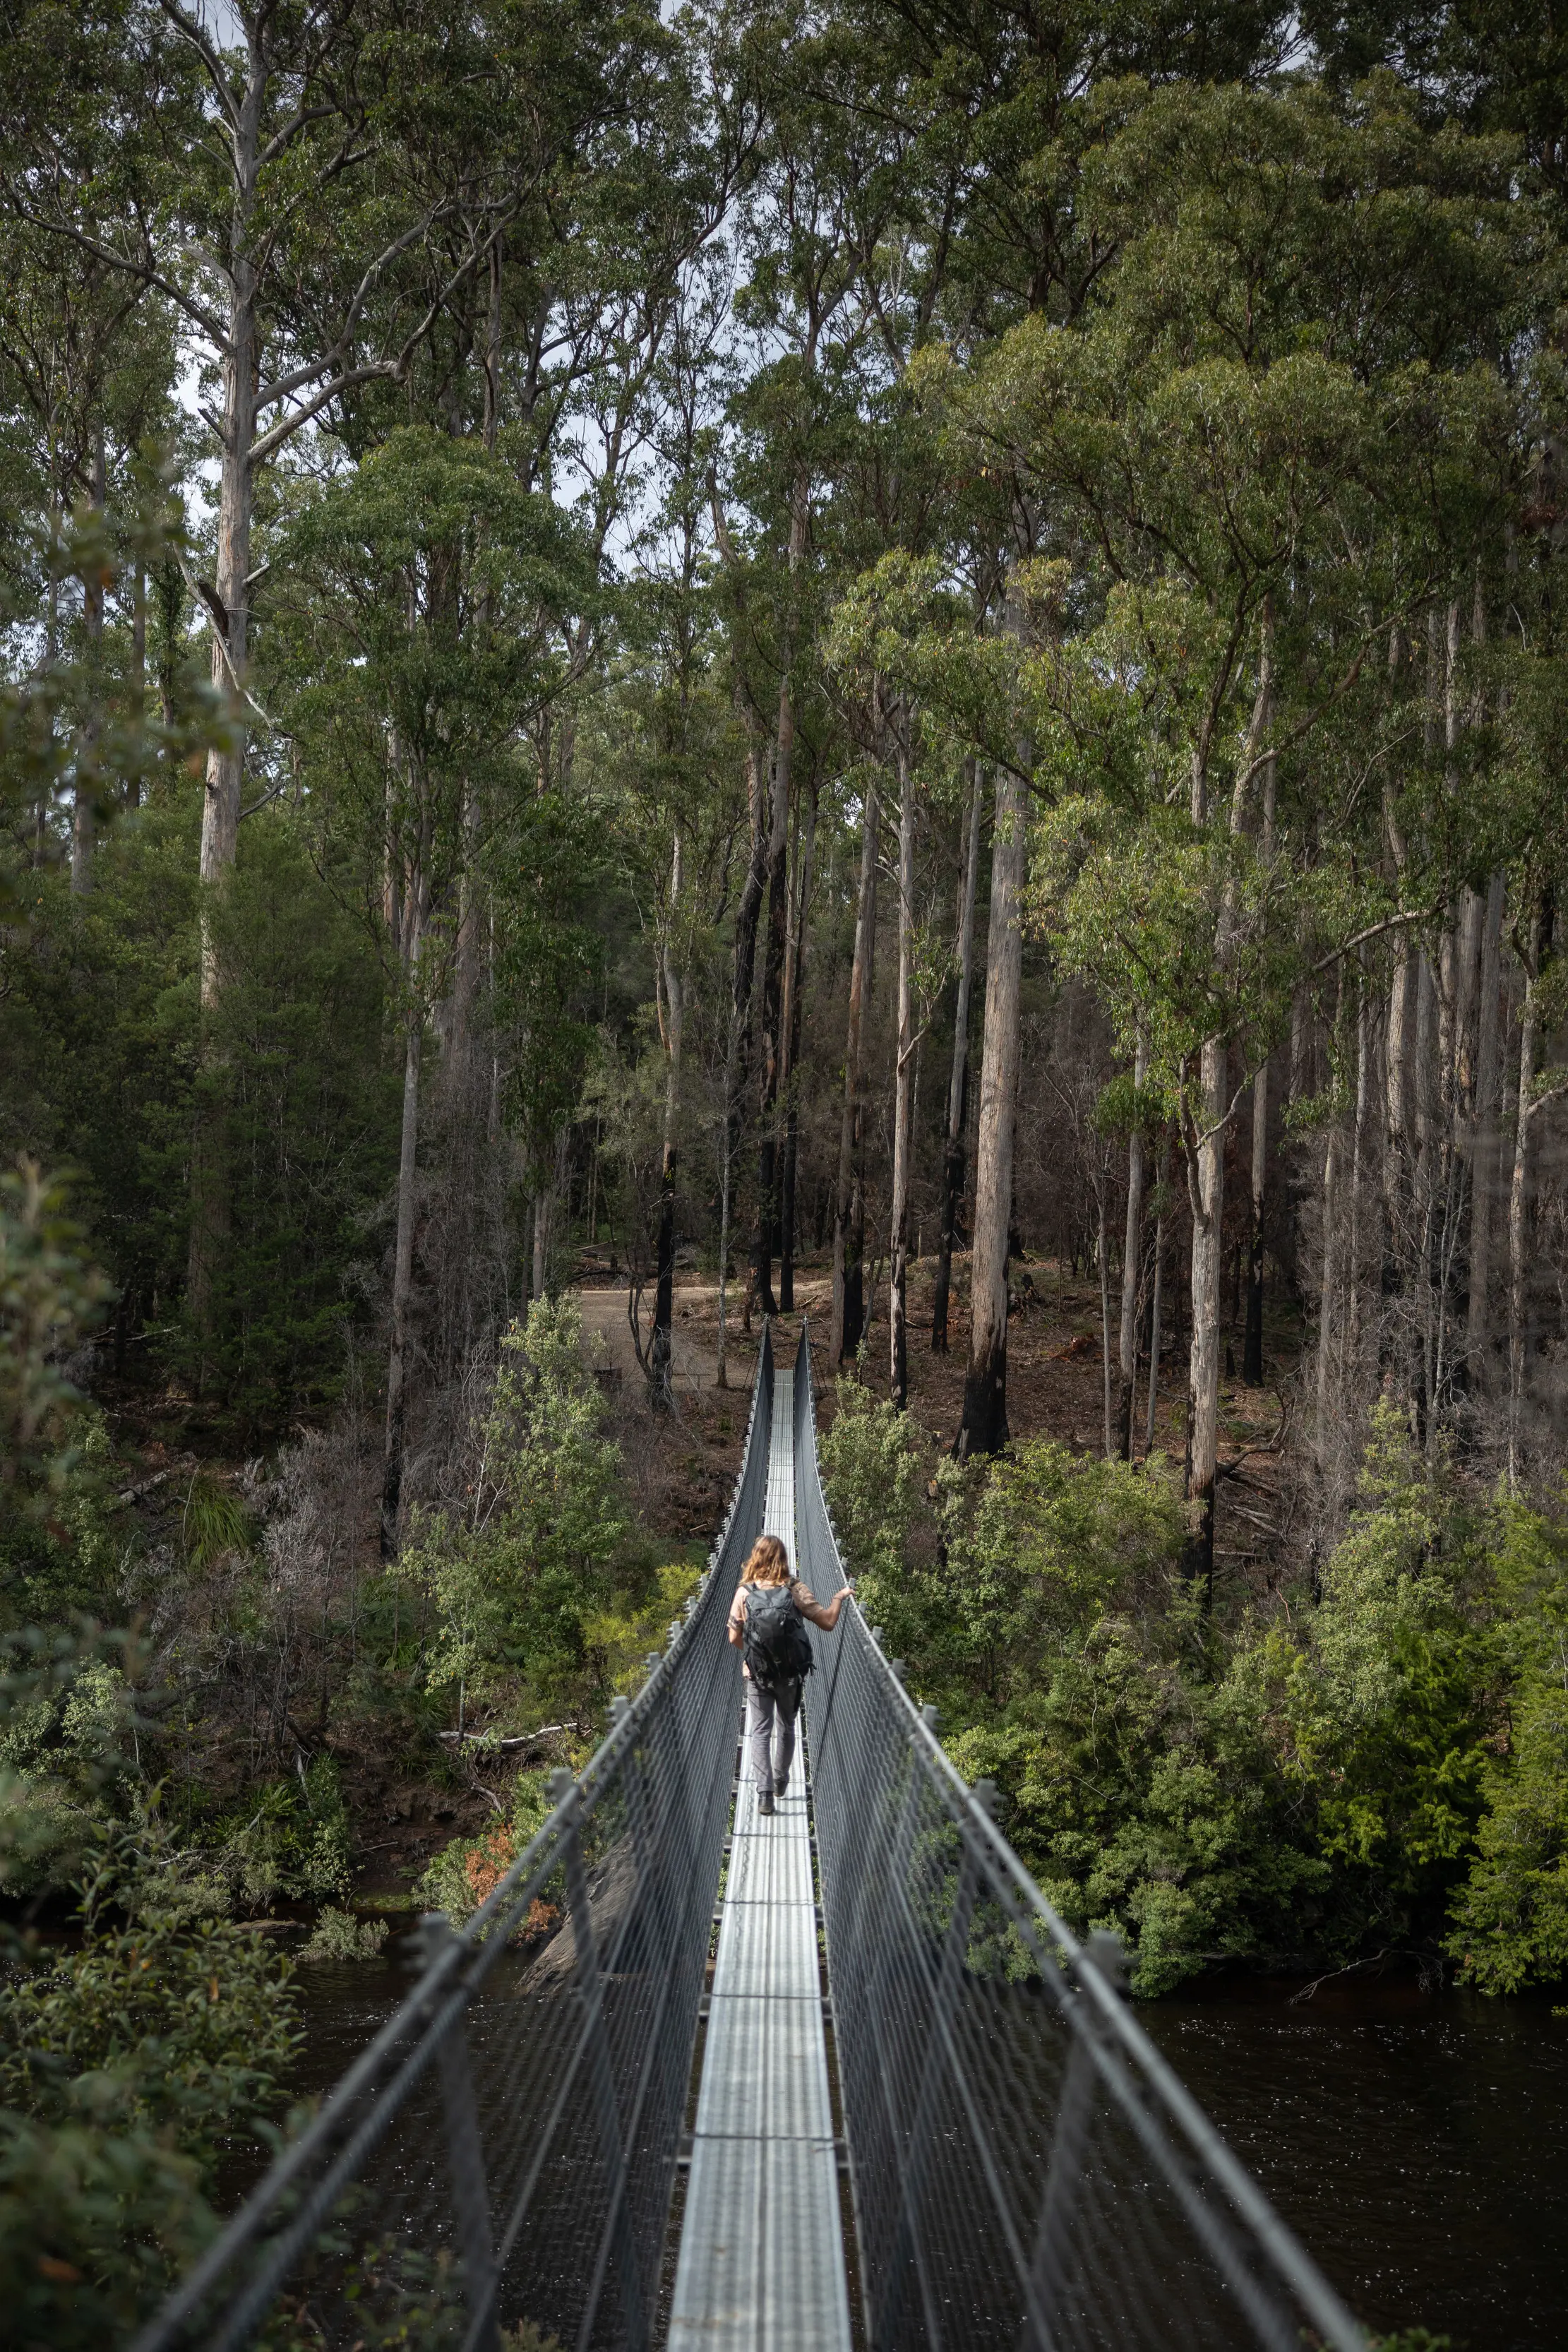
{"points": [[761, 2265]]}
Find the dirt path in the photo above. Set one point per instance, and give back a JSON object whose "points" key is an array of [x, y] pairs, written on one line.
{"points": [[693, 1339]]}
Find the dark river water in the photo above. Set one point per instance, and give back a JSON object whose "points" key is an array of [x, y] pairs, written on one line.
{"points": [[1416, 2143]]}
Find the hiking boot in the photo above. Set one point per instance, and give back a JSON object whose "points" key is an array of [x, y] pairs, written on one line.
{"points": [[781, 1788], [765, 1803]]}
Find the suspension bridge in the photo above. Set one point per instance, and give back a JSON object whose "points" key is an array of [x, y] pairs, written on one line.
{"points": [[839, 2081]]}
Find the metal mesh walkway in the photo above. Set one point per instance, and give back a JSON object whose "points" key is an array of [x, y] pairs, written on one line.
{"points": [[761, 2265]]}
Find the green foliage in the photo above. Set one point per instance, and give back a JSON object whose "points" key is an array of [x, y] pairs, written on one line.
{"points": [[1385, 1723], [1512, 1916], [1349, 1779], [212, 1521], [872, 1477], [467, 1873], [290, 1838], [49, 1294], [101, 1068], [94, 2227], [338, 1936], [297, 1062], [65, 1760], [518, 1576], [170, 2019], [128, 2067]]}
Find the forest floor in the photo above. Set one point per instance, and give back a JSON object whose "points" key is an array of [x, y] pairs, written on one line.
{"points": [[1054, 1389]]}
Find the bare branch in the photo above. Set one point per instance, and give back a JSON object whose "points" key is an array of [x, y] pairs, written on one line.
{"points": [[189, 29], [1374, 931]]}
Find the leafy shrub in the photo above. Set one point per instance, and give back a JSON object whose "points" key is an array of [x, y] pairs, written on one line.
{"points": [[127, 2068], [66, 1763], [338, 1936], [466, 1873], [519, 1575], [872, 1478], [1386, 1769], [294, 1840], [1511, 1919]]}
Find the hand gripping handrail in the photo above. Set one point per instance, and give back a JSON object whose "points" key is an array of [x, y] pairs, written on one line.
{"points": [[1027, 2169], [505, 2147]]}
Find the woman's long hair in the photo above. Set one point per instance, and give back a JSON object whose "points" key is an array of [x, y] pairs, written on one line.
{"points": [[768, 1564]]}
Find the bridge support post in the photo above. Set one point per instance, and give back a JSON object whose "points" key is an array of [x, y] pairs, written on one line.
{"points": [[465, 2156], [619, 2240]]}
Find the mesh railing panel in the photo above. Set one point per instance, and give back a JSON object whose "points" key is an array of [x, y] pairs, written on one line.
{"points": [[504, 2150], [1026, 2169]]}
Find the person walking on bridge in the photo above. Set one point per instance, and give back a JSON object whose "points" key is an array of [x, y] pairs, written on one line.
{"points": [[765, 1627]]}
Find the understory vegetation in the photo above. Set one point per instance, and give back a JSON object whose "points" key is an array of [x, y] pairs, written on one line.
{"points": [[718, 660], [147, 2026], [1377, 1769]]}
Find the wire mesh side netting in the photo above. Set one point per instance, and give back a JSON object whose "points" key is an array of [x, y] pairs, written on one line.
{"points": [[1026, 2171], [503, 2152]]}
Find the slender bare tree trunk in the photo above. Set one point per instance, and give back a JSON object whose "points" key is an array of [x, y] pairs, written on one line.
{"points": [[403, 1255], [237, 493], [959, 1082], [738, 1052], [1328, 1289], [794, 1007], [984, 1428], [849, 1210], [760, 1289], [761, 1286], [1157, 1299], [1252, 1342], [1486, 1136], [138, 671], [674, 999], [1206, 1180], [84, 825], [1350, 1356], [1132, 1266], [1518, 1203], [1205, 1146], [897, 1317], [1102, 1244], [209, 1189]]}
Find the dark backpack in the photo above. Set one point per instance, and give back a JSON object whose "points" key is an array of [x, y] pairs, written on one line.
{"points": [[776, 1646]]}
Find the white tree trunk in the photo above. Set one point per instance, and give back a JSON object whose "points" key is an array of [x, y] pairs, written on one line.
{"points": [[403, 1260], [903, 1073], [1206, 1181], [1132, 1266], [1485, 1135], [958, 1081], [985, 1425], [847, 1310], [1518, 1209]]}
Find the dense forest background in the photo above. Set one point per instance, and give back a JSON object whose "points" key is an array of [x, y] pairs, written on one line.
{"points": [[902, 659]]}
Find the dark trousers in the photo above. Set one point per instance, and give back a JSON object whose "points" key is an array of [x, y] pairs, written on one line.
{"points": [[770, 1733]]}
